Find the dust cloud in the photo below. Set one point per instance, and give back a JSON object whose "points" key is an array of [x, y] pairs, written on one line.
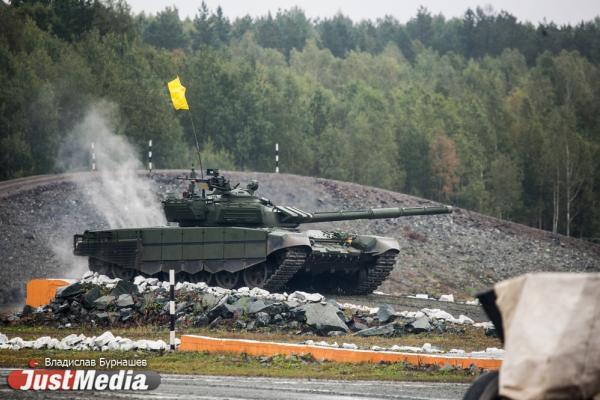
{"points": [[118, 192]]}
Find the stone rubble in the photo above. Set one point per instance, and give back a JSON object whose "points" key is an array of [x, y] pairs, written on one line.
{"points": [[96, 300], [104, 342], [427, 348]]}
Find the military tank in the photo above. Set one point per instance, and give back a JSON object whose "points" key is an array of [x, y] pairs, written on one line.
{"points": [[230, 237]]}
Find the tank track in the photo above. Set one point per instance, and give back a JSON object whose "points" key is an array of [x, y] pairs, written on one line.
{"points": [[384, 265], [293, 260]]}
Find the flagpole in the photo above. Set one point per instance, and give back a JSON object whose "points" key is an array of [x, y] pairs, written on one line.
{"points": [[197, 144]]}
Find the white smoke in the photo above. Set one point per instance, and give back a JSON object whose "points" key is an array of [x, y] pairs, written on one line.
{"points": [[62, 248], [118, 189]]}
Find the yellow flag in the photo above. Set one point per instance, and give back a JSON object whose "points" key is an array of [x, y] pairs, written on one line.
{"points": [[177, 91]]}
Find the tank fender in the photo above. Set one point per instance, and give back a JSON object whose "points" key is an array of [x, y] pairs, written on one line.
{"points": [[281, 239], [375, 245]]}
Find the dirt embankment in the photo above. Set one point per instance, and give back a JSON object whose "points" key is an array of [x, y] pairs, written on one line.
{"points": [[459, 253]]}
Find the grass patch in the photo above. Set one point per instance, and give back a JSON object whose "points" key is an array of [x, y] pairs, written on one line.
{"points": [[472, 339], [242, 365]]}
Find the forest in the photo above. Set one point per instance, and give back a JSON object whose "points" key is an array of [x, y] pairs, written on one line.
{"points": [[484, 111]]}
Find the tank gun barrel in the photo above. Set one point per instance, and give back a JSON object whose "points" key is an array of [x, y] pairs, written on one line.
{"points": [[297, 216], [377, 213]]}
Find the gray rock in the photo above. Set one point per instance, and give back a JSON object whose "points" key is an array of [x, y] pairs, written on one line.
{"points": [[201, 321], [156, 345], [215, 322], [239, 324], [385, 313], [420, 325], [220, 309], [324, 318], [303, 296], [257, 306], [102, 303], [27, 309], [359, 326], [239, 307], [336, 333], [64, 307], [277, 318], [146, 300], [101, 317], [70, 291], [262, 319], [208, 301], [75, 307], [292, 303], [439, 326], [104, 339], [298, 314], [384, 330], [124, 287], [251, 325], [184, 306], [126, 314], [125, 300]]}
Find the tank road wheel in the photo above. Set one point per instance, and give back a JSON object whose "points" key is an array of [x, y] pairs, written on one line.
{"points": [[256, 276], [227, 280], [126, 274]]}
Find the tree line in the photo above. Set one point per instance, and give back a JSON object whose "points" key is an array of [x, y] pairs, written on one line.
{"points": [[483, 111]]}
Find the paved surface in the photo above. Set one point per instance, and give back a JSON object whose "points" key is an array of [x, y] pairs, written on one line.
{"points": [[238, 388]]}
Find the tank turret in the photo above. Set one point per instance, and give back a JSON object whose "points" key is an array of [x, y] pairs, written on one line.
{"points": [[221, 205]]}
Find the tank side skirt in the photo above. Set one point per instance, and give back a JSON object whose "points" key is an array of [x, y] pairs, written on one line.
{"points": [[196, 266]]}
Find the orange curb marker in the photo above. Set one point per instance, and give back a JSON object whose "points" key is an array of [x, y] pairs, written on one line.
{"points": [[257, 348], [40, 292]]}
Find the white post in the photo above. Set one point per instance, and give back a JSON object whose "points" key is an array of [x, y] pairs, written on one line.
{"points": [[150, 155], [276, 158], [93, 157], [172, 309]]}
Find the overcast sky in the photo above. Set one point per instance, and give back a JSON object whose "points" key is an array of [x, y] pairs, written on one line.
{"points": [[561, 12]]}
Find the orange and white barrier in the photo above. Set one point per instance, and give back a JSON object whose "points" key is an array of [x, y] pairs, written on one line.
{"points": [[258, 348]]}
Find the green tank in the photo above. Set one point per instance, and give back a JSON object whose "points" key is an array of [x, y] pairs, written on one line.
{"points": [[230, 237]]}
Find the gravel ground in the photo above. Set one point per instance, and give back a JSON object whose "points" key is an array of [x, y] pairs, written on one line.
{"points": [[459, 253]]}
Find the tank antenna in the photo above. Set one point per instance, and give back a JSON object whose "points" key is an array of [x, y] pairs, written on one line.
{"points": [[197, 146]]}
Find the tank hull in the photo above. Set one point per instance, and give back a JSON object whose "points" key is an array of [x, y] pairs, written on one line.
{"points": [[271, 258]]}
